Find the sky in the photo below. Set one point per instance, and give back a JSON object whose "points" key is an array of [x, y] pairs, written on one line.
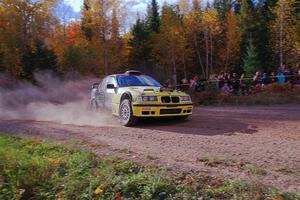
{"points": [[135, 7]]}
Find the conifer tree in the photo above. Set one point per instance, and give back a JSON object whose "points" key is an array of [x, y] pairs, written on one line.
{"points": [[251, 62], [153, 18], [86, 21]]}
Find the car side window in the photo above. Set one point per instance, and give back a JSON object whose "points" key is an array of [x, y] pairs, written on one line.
{"points": [[103, 84], [112, 80]]}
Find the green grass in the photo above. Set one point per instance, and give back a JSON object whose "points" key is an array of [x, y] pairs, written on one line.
{"points": [[33, 170]]}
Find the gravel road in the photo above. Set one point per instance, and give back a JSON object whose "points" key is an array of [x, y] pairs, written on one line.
{"points": [[259, 143]]}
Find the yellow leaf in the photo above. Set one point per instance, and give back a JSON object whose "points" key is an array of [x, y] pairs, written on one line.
{"points": [[98, 191]]}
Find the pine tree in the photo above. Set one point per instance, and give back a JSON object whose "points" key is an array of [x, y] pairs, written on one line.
{"points": [[153, 18], [251, 63], [247, 24], [139, 42], [86, 21], [223, 7], [115, 43], [38, 58], [262, 34], [167, 44]]}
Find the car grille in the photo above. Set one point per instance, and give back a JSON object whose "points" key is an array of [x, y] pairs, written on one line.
{"points": [[175, 99], [170, 111], [168, 99]]}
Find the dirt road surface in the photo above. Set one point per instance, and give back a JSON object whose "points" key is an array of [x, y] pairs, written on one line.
{"points": [[257, 143]]}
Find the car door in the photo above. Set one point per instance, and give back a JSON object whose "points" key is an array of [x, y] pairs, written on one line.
{"points": [[109, 92], [100, 94]]}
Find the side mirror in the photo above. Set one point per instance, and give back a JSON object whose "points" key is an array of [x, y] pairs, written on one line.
{"points": [[95, 85], [110, 86]]}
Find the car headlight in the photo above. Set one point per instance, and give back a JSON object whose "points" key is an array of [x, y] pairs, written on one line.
{"points": [[185, 98], [146, 98]]}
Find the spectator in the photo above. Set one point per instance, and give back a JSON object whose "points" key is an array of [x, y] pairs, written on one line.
{"points": [[297, 79], [280, 78], [273, 78], [221, 80], [235, 83], [257, 79], [226, 88], [184, 84], [264, 79], [194, 84], [184, 81], [215, 82], [243, 85], [168, 83], [288, 74]]}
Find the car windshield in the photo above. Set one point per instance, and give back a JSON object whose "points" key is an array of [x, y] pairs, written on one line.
{"points": [[126, 81]]}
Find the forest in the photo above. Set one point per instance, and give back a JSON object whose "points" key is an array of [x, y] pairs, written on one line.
{"points": [[171, 41]]}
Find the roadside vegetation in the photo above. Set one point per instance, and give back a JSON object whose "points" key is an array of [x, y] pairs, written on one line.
{"points": [[268, 95], [30, 169]]}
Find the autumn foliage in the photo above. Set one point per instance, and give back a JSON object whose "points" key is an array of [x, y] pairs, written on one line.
{"points": [[171, 41]]}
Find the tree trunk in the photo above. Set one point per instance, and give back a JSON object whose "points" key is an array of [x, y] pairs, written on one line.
{"points": [[174, 69], [211, 55], [105, 62], [206, 53], [281, 35], [227, 58], [198, 54], [184, 66]]}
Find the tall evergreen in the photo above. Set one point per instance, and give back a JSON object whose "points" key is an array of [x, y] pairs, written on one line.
{"points": [[38, 58], [139, 43], [248, 25], [86, 21], [223, 7], [153, 18], [251, 61], [262, 34]]}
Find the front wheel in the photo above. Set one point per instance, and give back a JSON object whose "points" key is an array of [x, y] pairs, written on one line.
{"points": [[126, 114]]}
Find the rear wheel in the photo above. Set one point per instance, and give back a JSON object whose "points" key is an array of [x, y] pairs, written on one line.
{"points": [[126, 114]]}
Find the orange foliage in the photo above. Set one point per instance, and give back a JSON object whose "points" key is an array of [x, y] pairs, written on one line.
{"points": [[73, 32]]}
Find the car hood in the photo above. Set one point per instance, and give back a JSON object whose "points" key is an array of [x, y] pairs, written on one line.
{"points": [[148, 90]]}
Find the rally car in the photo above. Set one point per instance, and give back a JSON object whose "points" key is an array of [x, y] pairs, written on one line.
{"points": [[133, 95]]}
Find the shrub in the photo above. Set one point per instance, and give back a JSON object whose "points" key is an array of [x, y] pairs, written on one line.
{"points": [[268, 95]]}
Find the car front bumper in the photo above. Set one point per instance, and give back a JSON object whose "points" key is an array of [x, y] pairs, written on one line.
{"points": [[161, 110]]}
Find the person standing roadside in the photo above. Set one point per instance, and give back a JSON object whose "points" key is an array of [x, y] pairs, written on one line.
{"points": [[243, 85], [280, 78], [235, 83], [257, 79], [297, 79], [273, 78], [194, 84]]}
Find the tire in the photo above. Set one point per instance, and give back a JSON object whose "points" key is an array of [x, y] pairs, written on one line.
{"points": [[126, 114]]}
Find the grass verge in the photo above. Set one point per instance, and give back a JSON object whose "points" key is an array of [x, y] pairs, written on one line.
{"points": [[30, 169]]}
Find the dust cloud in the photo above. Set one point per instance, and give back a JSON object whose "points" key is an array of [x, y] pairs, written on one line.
{"points": [[50, 99]]}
